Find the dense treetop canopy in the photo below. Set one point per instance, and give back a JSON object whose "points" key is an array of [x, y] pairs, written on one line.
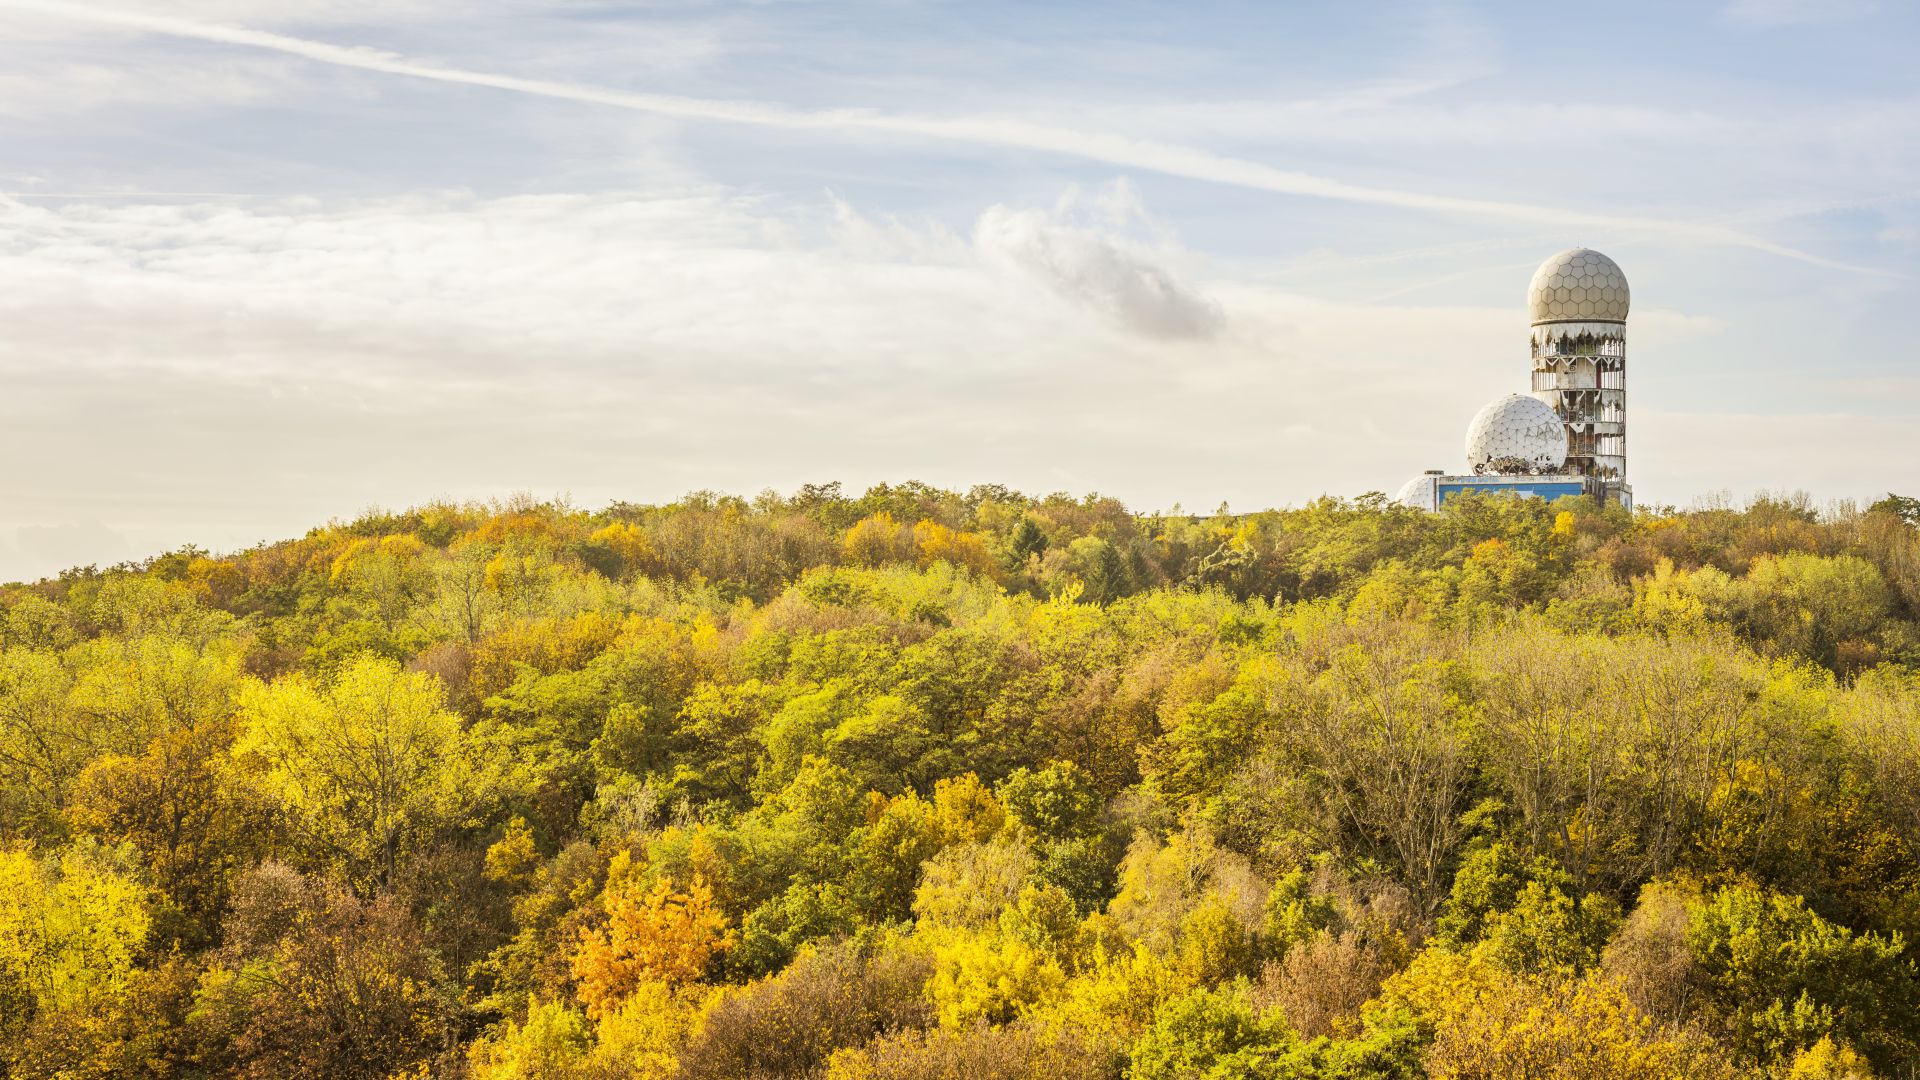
{"points": [[919, 783]]}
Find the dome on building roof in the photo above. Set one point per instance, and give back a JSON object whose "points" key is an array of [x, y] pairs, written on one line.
{"points": [[1516, 434], [1417, 493], [1578, 285]]}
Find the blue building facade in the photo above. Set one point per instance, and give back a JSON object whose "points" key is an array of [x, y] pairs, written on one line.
{"points": [[1433, 490], [1543, 487]]}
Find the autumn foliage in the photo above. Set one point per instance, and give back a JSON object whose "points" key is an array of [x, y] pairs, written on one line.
{"points": [[652, 933], [919, 784]]}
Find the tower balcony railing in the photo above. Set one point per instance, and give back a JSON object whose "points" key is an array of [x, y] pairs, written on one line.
{"points": [[1589, 406], [1576, 346], [1605, 414], [1579, 380]]}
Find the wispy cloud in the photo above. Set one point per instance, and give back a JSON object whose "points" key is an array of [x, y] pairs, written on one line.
{"points": [[400, 349], [455, 281], [241, 371], [997, 131]]}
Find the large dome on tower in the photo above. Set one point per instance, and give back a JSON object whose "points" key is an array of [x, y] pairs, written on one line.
{"points": [[1516, 434], [1578, 285]]}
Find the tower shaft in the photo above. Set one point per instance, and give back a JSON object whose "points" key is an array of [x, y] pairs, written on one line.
{"points": [[1580, 368]]}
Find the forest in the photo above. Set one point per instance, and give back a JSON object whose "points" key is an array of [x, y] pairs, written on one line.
{"points": [[919, 784]]}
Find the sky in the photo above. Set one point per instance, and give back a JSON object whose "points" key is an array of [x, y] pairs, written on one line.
{"points": [[265, 265]]}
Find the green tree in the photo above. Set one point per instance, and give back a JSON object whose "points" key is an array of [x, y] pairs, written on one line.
{"points": [[1783, 978], [1904, 507], [1101, 568], [1056, 803], [772, 933], [1207, 1035]]}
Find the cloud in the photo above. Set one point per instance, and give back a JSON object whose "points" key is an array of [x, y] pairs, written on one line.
{"points": [[56, 67], [1091, 266], [231, 373], [886, 236], [997, 131], [228, 373]]}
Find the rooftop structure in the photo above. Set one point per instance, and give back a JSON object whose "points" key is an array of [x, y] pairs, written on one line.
{"points": [[1570, 436], [1435, 488]]}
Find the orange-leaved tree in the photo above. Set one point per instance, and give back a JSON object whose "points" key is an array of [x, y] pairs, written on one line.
{"points": [[652, 934]]}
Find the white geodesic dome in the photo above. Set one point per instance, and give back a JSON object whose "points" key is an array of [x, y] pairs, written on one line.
{"points": [[1516, 434], [1578, 285], [1417, 493]]}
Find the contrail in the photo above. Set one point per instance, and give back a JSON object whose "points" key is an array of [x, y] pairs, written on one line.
{"points": [[1167, 158], [128, 195]]}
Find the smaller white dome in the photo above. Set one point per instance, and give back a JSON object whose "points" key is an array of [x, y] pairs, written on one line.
{"points": [[1516, 435], [1417, 493]]}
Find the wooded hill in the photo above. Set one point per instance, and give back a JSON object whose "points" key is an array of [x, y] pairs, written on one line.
{"points": [[923, 784]]}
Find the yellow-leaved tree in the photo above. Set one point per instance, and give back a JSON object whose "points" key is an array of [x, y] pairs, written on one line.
{"points": [[552, 1044], [364, 763], [652, 934], [988, 978], [69, 928], [72, 1001], [876, 540], [1493, 1025]]}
